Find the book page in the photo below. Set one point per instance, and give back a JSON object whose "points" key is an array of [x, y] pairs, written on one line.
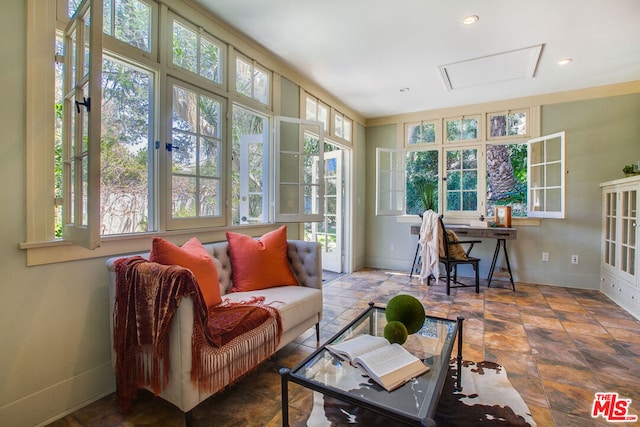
{"points": [[391, 366], [386, 359], [352, 348]]}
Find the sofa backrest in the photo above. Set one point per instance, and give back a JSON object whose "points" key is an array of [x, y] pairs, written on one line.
{"points": [[305, 259]]}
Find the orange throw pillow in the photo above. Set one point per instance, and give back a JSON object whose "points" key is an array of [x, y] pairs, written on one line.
{"points": [[262, 263], [195, 257]]}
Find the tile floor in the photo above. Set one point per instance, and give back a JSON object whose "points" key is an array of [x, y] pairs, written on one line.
{"points": [[559, 346]]}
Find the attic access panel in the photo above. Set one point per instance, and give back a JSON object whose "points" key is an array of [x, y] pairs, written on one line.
{"points": [[514, 64]]}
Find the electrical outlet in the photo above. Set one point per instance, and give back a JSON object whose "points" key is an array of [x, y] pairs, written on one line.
{"points": [[545, 256], [574, 259]]}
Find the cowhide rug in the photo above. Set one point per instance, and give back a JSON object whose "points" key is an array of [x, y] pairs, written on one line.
{"points": [[487, 399]]}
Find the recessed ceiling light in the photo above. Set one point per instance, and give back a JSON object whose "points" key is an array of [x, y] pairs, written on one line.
{"points": [[471, 19], [404, 89], [564, 61]]}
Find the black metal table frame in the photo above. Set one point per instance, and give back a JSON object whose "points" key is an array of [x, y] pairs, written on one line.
{"points": [[285, 374]]}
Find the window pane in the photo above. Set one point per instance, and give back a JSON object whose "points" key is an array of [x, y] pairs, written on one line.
{"points": [[537, 176], [507, 178], [469, 201], [132, 23], [453, 201], [209, 193], [424, 133], [183, 154], [497, 125], [244, 77], [250, 166], [553, 150], [454, 130], [127, 112], [73, 6], [454, 180], [554, 175], [184, 105], [338, 125], [311, 109], [422, 181], [210, 61], [413, 134], [469, 129], [554, 200], [183, 200], [185, 48], [470, 180], [462, 180], [323, 116], [261, 86], [537, 153], [210, 157], [518, 123], [347, 125], [289, 200]]}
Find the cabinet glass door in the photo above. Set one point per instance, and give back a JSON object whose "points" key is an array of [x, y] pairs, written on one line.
{"points": [[610, 237], [628, 231]]}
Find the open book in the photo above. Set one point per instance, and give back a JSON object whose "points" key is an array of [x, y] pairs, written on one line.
{"points": [[390, 365]]}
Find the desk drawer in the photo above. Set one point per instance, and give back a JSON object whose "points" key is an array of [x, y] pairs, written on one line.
{"points": [[488, 233]]}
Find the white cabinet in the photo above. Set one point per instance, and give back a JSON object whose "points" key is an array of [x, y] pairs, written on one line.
{"points": [[620, 229]]}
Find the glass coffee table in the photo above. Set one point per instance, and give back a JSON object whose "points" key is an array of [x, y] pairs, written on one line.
{"points": [[413, 403]]}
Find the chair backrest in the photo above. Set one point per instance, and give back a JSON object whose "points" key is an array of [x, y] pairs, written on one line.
{"points": [[445, 239]]}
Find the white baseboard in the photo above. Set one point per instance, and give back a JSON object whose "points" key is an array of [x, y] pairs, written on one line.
{"points": [[54, 402]]}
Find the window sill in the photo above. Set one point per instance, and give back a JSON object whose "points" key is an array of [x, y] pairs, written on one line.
{"points": [[55, 251]]}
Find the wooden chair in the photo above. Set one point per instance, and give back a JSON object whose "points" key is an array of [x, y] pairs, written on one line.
{"points": [[451, 264]]}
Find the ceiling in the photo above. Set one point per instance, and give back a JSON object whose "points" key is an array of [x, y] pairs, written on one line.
{"points": [[364, 52]]}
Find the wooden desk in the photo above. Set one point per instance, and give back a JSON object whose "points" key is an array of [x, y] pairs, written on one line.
{"points": [[501, 234]]}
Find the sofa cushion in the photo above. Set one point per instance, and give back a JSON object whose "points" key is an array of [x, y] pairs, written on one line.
{"points": [[194, 256], [295, 303], [260, 263]]}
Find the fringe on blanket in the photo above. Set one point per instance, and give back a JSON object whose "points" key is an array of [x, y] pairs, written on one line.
{"points": [[213, 368]]}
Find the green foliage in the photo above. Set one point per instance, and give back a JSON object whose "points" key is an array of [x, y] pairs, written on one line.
{"points": [[427, 191], [422, 175]]}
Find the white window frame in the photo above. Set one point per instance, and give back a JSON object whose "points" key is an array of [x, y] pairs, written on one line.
{"points": [[506, 113], [315, 114], [200, 34], [81, 167], [317, 179], [480, 183], [544, 188], [407, 132], [254, 66], [385, 195], [390, 182], [166, 196], [477, 117]]}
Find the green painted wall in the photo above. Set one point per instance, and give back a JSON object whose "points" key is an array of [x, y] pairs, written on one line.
{"points": [[602, 135]]}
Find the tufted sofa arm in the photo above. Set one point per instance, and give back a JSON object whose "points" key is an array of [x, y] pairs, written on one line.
{"points": [[306, 262]]}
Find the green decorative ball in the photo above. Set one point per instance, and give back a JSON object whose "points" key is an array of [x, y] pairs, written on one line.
{"points": [[395, 332], [408, 310]]}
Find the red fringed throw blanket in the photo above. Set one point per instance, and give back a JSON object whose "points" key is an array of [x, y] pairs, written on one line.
{"points": [[228, 341]]}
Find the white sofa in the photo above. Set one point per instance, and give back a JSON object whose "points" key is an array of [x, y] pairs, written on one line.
{"points": [[300, 308]]}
